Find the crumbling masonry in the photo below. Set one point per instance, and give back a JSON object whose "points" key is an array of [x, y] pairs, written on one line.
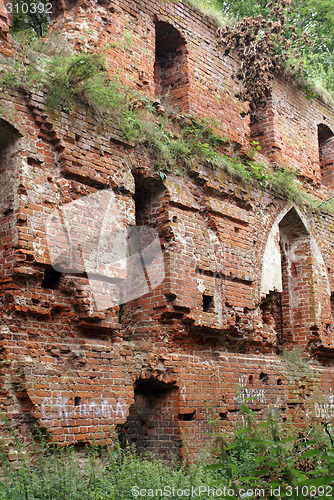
{"points": [[246, 272]]}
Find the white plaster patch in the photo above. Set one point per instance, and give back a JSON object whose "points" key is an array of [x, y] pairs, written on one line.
{"points": [[200, 285], [218, 307], [271, 278]]}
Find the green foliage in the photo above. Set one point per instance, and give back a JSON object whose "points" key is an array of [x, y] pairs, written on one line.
{"points": [[273, 455], [282, 181], [176, 141], [262, 456], [213, 10], [308, 29], [298, 363], [75, 78], [95, 473]]}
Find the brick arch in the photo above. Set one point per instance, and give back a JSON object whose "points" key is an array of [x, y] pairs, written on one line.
{"points": [[171, 73], [161, 376], [18, 132], [294, 282]]}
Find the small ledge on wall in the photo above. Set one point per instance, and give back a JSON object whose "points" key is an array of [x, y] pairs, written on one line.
{"points": [[101, 326]]}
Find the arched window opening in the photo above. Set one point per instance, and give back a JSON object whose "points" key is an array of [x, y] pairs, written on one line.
{"points": [[292, 283], [326, 154], [170, 68], [297, 299]]}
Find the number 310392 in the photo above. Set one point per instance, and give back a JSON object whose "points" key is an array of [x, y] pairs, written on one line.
{"points": [[29, 8]]}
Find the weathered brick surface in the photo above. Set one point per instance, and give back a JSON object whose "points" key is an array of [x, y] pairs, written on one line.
{"points": [[246, 273]]}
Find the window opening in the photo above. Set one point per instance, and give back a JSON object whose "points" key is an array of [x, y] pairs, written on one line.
{"points": [[170, 69], [326, 154], [297, 298], [208, 305]]}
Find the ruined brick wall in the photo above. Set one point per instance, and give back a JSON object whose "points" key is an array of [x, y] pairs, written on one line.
{"points": [[246, 272], [287, 129]]}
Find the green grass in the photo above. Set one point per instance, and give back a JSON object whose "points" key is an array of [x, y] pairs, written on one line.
{"points": [[212, 9], [255, 455], [69, 80], [94, 474]]}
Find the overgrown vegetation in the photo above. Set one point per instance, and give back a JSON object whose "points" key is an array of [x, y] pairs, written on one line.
{"points": [[267, 35], [278, 459], [279, 35], [265, 46], [213, 10], [298, 361], [93, 474], [176, 141]]}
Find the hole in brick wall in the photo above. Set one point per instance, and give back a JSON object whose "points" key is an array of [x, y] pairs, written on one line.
{"points": [[121, 312], [152, 424], [326, 154], [170, 297], [77, 401], [208, 305], [51, 279], [223, 415], [120, 432], [148, 198], [271, 309], [170, 68], [279, 381], [81, 446], [264, 378], [187, 417], [250, 379]]}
